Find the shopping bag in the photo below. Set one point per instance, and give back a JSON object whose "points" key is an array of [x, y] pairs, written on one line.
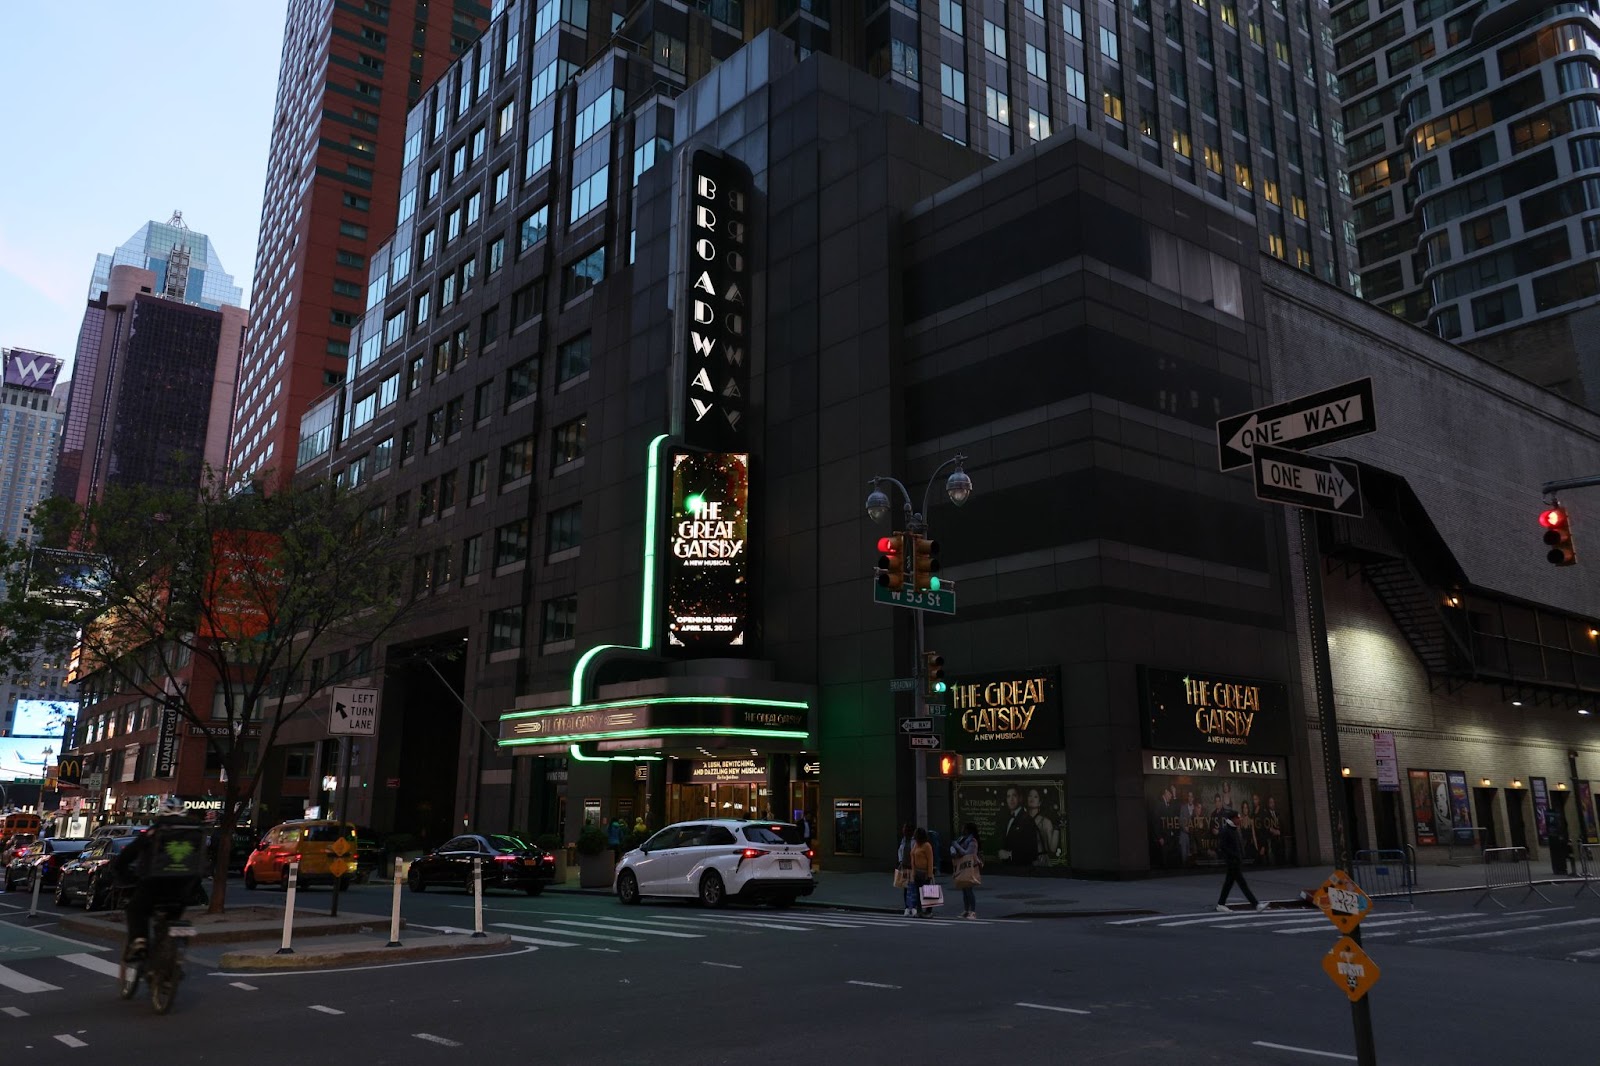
{"points": [[967, 874], [932, 895], [902, 878]]}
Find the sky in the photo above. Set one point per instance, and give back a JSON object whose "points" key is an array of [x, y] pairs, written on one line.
{"points": [[118, 113]]}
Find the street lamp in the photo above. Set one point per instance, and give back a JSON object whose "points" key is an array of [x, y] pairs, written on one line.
{"points": [[958, 489]]}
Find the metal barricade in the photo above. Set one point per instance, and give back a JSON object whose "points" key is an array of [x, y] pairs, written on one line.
{"points": [[1589, 868], [1389, 873], [1506, 868], [1466, 841]]}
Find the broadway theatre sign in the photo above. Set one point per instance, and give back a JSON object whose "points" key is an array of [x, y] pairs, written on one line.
{"points": [[1018, 710]]}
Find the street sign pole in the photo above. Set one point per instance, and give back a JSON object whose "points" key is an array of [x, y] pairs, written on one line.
{"points": [[1328, 724]]}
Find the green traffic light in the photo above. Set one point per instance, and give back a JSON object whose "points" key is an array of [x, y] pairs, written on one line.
{"points": [[940, 686], [933, 583]]}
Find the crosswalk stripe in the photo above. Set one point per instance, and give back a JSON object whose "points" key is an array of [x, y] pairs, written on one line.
{"points": [[21, 982], [15, 1012], [1506, 932], [1245, 917], [1449, 923], [640, 928], [542, 943], [1589, 954], [93, 962], [745, 923], [565, 932]]}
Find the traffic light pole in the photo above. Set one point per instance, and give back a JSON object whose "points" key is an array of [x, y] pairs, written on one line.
{"points": [[919, 708]]}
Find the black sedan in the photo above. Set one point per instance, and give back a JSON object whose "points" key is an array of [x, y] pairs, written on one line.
{"points": [[507, 863], [372, 854], [42, 859], [87, 877]]}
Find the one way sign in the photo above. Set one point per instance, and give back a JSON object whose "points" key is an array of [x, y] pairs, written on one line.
{"points": [[1307, 481], [1334, 414]]}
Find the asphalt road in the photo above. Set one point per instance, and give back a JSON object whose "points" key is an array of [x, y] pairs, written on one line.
{"points": [[595, 982]]}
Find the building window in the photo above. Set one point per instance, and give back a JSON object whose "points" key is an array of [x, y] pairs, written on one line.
{"points": [[1072, 21], [495, 257], [538, 156], [426, 246], [1109, 46], [424, 307], [507, 116], [560, 619], [568, 441], [505, 629], [522, 381], [488, 328], [583, 274], [471, 555], [480, 141], [1075, 86], [414, 374], [408, 442], [441, 567], [998, 105], [452, 224], [951, 16], [994, 38], [474, 207], [435, 429], [382, 454], [477, 478], [511, 543], [1038, 65], [454, 418], [516, 461], [447, 491], [502, 185], [533, 229], [589, 194], [572, 358], [564, 530], [953, 83], [482, 402]]}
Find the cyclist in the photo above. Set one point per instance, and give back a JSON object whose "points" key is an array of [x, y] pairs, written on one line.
{"points": [[161, 865]]}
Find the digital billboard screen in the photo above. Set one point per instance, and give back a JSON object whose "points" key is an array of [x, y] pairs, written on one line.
{"points": [[708, 558]]}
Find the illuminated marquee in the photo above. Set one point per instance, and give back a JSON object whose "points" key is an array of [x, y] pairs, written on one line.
{"points": [[1212, 712], [715, 308], [708, 569]]}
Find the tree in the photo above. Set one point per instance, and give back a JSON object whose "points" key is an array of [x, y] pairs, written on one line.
{"points": [[238, 593]]}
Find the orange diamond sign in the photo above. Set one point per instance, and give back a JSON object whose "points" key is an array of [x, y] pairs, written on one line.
{"points": [[1342, 900], [1350, 968]]}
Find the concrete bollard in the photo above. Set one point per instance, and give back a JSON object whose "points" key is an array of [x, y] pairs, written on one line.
{"points": [[477, 897], [288, 909], [394, 910]]}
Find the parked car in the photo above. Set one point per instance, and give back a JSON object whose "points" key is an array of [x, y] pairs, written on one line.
{"points": [[717, 860], [508, 862], [116, 831], [309, 840], [13, 844], [42, 859], [86, 878], [374, 853], [244, 842]]}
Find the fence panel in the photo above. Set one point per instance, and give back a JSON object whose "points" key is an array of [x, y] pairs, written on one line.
{"points": [[1589, 868], [1507, 868], [1389, 873]]}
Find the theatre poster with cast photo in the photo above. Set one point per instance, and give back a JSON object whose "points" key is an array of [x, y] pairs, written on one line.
{"points": [[1185, 796], [1020, 822]]}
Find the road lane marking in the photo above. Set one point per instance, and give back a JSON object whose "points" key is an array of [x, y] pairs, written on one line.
{"points": [[375, 966], [565, 932], [1304, 1050], [70, 1040], [15, 1012], [442, 1041], [11, 906], [1504, 932], [626, 929], [870, 984], [1046, 1006], [1163, 917], [241, 984], [91, 962], [753, 923], [38, 930], [542, 943], [1589, 954], [325, 1010], [21, 982], [1244, 917], [722, 965]]}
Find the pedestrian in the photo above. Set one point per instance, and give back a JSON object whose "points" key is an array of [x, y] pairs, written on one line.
{"points": [[967, 864], [903, 874], [614, 834], [638, 824], [921, 868], [1232, 851]]}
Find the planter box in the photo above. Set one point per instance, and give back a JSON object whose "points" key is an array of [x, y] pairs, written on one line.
{"points": [[596, 871]]}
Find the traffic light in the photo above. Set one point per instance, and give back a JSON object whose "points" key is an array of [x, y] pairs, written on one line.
{"points": [[933, 674], [949, 764], [892, 561], [924, 562], [1558, 535]]}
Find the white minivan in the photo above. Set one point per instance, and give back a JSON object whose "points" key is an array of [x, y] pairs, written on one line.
{"points": [[716, 860]]}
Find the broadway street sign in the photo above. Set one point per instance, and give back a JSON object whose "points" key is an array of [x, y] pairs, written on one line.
{"points": [[1306, 422], [1307, 481]]}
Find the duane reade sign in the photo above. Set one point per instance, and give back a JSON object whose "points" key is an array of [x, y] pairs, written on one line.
{"points": [[354, 712]]}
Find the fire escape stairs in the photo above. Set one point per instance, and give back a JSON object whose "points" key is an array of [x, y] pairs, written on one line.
{"points": [[1419, 613]]}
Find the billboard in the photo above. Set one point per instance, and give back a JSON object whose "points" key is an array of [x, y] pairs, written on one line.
{"points": [[708, 558], [35, 738], [1202, 711], [73, 580], [715, 308], [243, 585], [31, 370], [1013, 710]]}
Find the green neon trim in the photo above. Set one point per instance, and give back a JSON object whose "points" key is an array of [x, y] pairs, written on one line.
{"points": [[647, 701], [636, 734], [579, 756], [647, 592]]}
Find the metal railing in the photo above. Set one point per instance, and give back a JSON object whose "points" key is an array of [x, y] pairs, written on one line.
{"points": [[1390, 872], [1467, 840], [1589, 868], [1507, 868]]}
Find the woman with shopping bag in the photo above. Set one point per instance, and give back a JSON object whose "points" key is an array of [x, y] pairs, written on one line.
{"points": [[928, 893], [968, 864]]}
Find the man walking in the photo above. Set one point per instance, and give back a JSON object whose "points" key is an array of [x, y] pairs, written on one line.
{"points": [[1232, 850]]}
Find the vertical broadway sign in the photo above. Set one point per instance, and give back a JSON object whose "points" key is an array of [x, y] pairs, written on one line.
{"points": [[716, 311], [708, 568]]}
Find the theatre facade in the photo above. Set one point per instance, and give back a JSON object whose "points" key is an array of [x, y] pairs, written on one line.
{"points": [[808, 292]]}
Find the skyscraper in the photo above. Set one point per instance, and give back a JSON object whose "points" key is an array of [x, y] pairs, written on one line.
{"points": [[1473, 165], [348, 75], [185, 264]]}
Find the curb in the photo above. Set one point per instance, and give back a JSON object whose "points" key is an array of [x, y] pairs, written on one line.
{"points": [[250, 961], [117, 930]]}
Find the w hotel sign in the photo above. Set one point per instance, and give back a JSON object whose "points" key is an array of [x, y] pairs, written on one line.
{"points": [[31, 370]]}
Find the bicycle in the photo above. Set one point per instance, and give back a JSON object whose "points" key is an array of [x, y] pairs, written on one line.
{"points": [[161, 965]]}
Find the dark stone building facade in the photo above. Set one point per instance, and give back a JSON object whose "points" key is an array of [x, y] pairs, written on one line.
{"points": [[1129, 649]]}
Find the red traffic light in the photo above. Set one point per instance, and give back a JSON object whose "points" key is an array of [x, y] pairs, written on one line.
{"points": [[1553, 518], [889, 544]]}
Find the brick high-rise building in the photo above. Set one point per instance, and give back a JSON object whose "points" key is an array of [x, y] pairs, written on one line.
{"points": [[348, 75]]}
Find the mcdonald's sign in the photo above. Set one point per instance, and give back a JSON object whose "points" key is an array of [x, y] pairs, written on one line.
{"points": [[69, 771]]}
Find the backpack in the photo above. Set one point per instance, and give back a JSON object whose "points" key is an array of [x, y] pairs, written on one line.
{"points": [[175, 851]]}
